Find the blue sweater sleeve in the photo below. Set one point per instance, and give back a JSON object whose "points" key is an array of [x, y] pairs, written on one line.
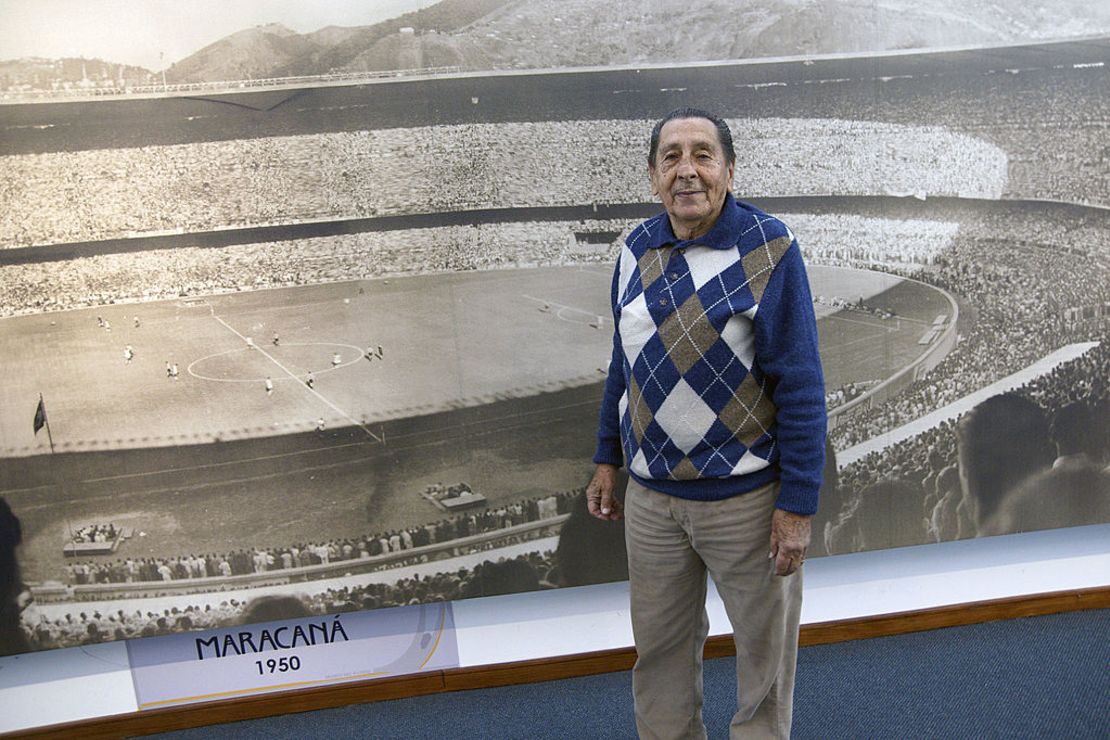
{"points": [[609, 449], [786, 351]]}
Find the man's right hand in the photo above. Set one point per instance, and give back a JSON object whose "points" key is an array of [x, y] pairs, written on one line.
{"points": [[600, 498]]}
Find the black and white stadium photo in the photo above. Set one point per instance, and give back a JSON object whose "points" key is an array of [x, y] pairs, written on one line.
{"points": [[312, 300]]}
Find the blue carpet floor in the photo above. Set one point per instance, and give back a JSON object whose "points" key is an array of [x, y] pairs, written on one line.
{"points": [[1041, 677]]}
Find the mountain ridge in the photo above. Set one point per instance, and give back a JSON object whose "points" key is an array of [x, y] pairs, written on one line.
{"points": [[479, 35]]}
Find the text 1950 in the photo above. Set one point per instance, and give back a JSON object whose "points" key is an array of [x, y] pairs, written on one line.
{"points": [[278, 665]]}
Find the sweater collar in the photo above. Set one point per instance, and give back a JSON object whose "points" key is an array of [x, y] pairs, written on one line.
{"points": [[722, 235]]}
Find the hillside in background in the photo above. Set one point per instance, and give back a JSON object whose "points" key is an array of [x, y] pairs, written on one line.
{"points": [[254, 52], [529, 34], [540, 33], [43, 74], [532, 34], [407, 42]]}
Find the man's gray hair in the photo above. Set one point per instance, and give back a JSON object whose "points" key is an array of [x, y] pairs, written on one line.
{"points": [[724, 135]]}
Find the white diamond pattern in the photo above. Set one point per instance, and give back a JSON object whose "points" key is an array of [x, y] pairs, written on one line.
{"points": [[749, 463], [740, 337], [707, 263], [627, 268], [685, 417], [636, 328]]}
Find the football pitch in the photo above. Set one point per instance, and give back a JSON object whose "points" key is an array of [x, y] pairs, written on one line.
{"points": [[487, 377]]}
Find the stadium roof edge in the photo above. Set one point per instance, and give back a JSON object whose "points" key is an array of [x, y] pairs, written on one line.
{"points": [[891, 53], [237, 86]]}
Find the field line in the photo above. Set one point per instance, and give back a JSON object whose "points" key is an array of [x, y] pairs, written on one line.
{"points": [[573, 310], [870, 324], [294, 376]]}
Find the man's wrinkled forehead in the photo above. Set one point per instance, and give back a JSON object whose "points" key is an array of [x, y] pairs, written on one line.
{"points": [[689, 133]]}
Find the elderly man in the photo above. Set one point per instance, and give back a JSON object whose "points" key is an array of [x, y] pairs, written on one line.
{"points": [[715, 401]]}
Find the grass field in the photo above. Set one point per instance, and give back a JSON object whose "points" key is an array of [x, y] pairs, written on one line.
{"points": [[492, 378], [446, 339]]}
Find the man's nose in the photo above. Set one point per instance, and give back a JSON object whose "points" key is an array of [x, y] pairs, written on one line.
{"points": [[686, 168]]}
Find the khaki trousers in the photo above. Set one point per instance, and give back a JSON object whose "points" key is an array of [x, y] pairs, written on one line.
{"points": [[672, 544]]}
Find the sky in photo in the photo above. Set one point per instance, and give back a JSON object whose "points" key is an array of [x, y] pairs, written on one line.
{"points": [[156, 33]]}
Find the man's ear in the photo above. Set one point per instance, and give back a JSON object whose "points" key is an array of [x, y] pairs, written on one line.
{"points": [[651, 179], [731, 173]]}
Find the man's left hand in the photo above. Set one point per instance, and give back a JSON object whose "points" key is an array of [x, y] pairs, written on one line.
{"points": [[789, 540]]}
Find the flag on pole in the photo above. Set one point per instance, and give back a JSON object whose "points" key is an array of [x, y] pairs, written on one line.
{"points": [[40, 416]]}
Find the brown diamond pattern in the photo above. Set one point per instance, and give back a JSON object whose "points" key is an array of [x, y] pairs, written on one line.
{"points": [[685, 470], [638, 410], [749, 413], [759, 263], [651, 265], [687, 334]]}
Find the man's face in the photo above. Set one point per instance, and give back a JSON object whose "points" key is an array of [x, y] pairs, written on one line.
{"points": [[691, 175]]}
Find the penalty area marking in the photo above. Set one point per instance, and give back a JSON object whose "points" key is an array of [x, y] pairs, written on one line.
{"points": [[569, 314]]}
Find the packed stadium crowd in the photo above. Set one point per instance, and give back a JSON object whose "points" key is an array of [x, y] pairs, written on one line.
{"points": [[842, 240], [100, 194], [587, 551], [1053, 145], [911, 492], [527, 571], [1019, 292], [192, 271], [262, 560], [851, 240], [1037, 135], [1015, 275], [846, 394], [1051, 123]]}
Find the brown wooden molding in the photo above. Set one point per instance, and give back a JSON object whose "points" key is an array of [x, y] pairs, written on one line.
{"points": [[548, 669], [539, 669], [234, 710], [954, 615]]}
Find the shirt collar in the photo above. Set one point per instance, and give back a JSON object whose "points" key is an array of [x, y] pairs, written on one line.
{"points": [[722, 235]]}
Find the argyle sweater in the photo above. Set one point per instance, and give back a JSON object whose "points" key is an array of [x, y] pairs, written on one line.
{"points": [[715, 386]]}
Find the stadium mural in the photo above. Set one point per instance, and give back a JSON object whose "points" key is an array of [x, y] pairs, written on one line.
{"points": [[342, 336]]}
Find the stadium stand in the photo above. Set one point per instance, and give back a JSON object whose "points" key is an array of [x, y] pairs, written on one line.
{"points": [[1021, 273], [109, 193], [486, 577]]}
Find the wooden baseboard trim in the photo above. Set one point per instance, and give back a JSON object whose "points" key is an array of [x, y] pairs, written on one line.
{"points": [[954, 615], [549, 669]]}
